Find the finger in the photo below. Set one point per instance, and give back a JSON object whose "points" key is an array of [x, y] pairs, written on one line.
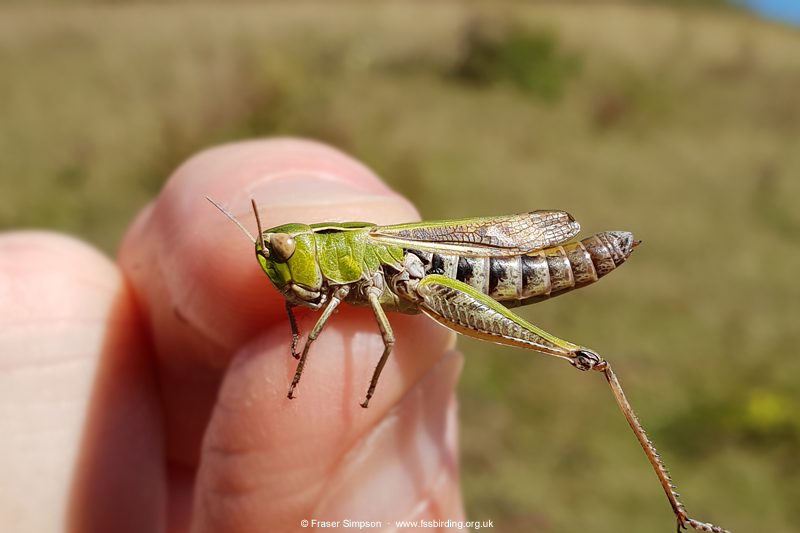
{"points": [[269, 464], [78, 412], [205, 295], [194, 269]]}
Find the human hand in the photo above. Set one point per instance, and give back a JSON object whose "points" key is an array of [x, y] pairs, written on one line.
{"points": [[151, 394]]}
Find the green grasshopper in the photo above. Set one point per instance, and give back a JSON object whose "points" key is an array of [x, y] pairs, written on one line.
{"points": [[465, 274]]}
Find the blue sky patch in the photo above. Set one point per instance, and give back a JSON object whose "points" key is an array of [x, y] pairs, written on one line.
{"points": [[786, 10]]}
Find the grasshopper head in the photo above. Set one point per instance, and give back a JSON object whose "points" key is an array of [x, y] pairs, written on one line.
{"points": [[287, 254]]}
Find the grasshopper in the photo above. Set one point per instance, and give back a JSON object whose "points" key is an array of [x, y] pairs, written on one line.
{"points": [[465, 274]]}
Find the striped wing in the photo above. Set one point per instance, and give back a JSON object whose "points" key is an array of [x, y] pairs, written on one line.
{"points": [[482, 237]]}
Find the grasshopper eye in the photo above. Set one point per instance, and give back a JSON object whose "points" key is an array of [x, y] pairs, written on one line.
{"points": [[283, 245]]}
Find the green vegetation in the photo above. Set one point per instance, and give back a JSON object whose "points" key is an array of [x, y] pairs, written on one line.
{"points": [[528, 60], [682, 126]]}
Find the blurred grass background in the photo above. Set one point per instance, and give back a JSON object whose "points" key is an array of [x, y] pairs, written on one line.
{"points": [[677, 122]]}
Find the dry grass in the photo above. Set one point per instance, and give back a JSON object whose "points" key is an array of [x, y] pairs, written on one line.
{"points": [[681, 126]]}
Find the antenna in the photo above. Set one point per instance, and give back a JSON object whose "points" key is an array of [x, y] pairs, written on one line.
{"points": [[258, 222], [239, 223]]}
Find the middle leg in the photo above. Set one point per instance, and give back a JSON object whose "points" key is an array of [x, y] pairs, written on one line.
{"points": [[388, 342]]}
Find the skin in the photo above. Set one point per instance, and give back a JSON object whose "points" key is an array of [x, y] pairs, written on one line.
{"points": [[150, 394]]}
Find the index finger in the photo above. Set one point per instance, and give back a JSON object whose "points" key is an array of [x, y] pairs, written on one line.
{"points": [[204, 294]]}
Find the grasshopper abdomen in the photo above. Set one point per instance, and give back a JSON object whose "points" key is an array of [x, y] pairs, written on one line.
{"points": [[528, 278], [573, 265]]}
